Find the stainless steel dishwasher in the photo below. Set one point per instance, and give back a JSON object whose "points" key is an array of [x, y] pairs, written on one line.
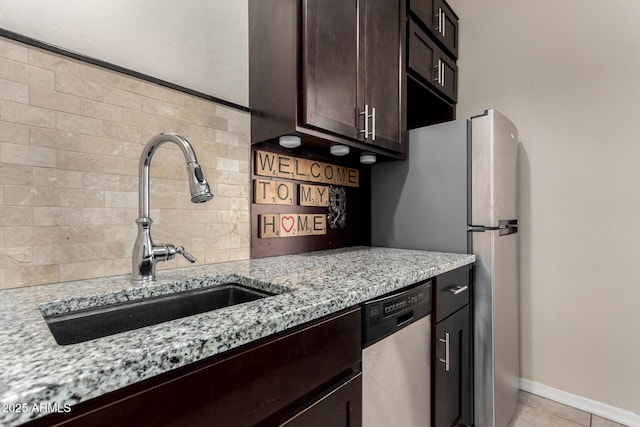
{"points": [[396, 358]]}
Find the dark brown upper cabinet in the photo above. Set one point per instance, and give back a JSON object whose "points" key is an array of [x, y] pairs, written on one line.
{"points": [[440, 20], [330, 71], [430, 64]]}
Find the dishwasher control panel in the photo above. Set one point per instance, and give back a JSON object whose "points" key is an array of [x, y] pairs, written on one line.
{"points": [[385, 315]]}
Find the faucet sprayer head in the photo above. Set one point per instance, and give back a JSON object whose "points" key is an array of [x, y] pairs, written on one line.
{"points": [[200, 191]]}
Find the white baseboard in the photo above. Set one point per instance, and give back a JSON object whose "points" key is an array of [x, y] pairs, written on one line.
{"points": [[600, 409]]}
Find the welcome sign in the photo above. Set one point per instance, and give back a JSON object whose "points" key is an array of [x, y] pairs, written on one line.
{"points": [[282, 192], [283, 166]]}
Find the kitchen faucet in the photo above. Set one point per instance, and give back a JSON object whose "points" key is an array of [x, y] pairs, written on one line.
{"points": [[146, 254]]}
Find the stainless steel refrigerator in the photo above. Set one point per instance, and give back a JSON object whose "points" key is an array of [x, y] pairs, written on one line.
{"points": [[457, 192]]}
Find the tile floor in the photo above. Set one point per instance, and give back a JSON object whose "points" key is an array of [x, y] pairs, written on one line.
{"points": [[536, 411]]}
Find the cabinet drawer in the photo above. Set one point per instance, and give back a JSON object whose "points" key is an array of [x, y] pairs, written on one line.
{"points": [[452, 292]]}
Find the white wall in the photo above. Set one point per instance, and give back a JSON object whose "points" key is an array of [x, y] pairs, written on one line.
{"points": [[568, 74], [199, 44]]}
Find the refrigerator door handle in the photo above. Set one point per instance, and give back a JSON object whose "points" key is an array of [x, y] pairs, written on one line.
{"points": [[505, 227]]}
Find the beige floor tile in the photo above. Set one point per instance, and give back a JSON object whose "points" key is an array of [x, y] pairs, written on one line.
{"points": [[601, 422], [554, 408], [528, 416]]}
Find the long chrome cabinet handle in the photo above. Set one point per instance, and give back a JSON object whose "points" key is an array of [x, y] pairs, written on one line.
{"points": [[365, 113], [456, 289], [444, 23], [437, 71], [446, 342], [373, 123]]}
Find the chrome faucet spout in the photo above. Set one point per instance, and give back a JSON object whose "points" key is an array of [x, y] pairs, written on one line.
{"points": [[146, 254]]}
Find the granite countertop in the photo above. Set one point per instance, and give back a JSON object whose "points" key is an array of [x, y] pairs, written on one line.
{"points": [[37, 371]]}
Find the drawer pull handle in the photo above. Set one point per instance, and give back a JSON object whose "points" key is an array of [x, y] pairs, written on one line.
{"points": [[456, 289], [446, 351]]}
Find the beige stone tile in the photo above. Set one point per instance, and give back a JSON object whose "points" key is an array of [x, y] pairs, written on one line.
{"points": [[50, 177], [101, 110], [226, 190], [80, 198], [19, 256], [219, 203], [53, 100], [528, 416], [229, 165], [203, 244], [239, 153], [239, 203], [15, 216], [48, 216], [14, 133], [160, 108], [232, 139], [122, 98], [16, 174], [77, 235], [117, 249], [79, 124], [239, 178], [13, 50], [239, 254], [61, 254], [120, 199], [31, 236], [232, 114], [118, 165], [12, 91], [128, 182], [27, 155], [50, 138], [204, 216], [23, 73], [30, 275], [218, 255], [102, 76], [77, 86], [141, 87], [121, 131], [597, 421], [2, 283], [241, 127], [146, 121], [100, 145], [1, 203], [245, 166], [126, 232], [93, 216], [117, 267], [82, 270], [78, 161], [100, 181], [27, 114], [26, 195], [53, 62], [555, 408]]}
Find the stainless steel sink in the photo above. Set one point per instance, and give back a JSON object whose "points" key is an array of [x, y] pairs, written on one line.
{"points": [[87, 324]]}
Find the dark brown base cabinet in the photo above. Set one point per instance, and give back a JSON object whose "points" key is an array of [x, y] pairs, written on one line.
{"points": [[309, 376], [452, 385]]}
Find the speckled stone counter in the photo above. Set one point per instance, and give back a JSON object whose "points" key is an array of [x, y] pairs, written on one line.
{"points": [[38, 373]]}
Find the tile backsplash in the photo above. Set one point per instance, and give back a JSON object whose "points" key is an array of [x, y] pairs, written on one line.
{"points": [[71, 135]]}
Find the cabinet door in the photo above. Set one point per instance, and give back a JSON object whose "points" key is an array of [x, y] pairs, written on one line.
{"points": [[452, 379], [423, 9], [445, 25], [331, 87], [430, 64], [382, 39], [341, 407]]}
